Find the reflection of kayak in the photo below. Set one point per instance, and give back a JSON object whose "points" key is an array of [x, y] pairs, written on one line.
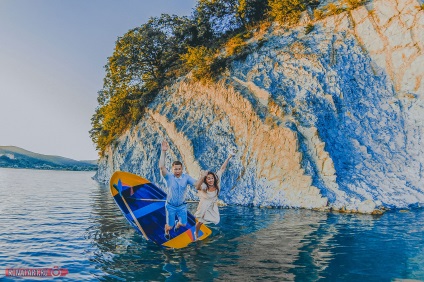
{"points": [[143, 205]]}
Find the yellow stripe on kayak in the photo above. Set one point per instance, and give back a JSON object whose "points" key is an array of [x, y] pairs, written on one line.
{"points": [[186, 238], [130, 180]]}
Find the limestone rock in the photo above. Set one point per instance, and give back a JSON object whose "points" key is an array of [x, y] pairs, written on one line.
{"points": [[367, 206]]}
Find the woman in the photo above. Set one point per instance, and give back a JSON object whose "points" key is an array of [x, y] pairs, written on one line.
{"points": [[207, 210]]}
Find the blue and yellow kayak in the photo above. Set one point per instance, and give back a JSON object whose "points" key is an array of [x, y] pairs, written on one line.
{"points": [[143, 205]]}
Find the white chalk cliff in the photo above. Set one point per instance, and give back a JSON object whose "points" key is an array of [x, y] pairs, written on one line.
{"points": [[331, 118]]}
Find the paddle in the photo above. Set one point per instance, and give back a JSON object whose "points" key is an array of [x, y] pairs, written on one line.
{"points": [[156, 200], [129, 209]]}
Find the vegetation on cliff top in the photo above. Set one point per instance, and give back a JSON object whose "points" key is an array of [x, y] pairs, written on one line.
{"points": [[149, 57]]}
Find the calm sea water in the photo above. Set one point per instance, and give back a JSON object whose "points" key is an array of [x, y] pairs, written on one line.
{"points": [[65, 219]]}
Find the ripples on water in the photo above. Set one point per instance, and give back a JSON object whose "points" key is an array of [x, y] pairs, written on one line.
{"points": [[55, 218]]}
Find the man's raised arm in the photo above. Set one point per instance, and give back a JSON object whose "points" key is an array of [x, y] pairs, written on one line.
{"points": [[164, 148]]}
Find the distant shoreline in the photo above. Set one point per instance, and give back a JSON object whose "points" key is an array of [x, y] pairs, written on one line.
{"points": [[15, 157], [57, 169]]}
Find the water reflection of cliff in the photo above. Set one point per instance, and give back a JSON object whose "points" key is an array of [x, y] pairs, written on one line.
{"points": [[272, 252], [252, 244]]}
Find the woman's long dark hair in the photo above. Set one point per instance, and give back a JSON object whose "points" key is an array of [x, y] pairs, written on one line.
{"points": [[215, 182]]}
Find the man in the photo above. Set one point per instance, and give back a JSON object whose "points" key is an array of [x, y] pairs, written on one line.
{"points": [[177, 183]]}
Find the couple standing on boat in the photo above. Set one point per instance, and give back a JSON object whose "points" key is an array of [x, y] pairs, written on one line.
{"points": [[177, 181]]}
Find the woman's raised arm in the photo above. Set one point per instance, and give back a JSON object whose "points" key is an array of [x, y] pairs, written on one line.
{"points": [[224, 165], [199, 181]]}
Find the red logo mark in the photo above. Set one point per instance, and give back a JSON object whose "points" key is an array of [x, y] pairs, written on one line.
{"points": [[37, 272]]}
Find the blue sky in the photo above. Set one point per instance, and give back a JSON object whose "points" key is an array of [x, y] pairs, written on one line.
{"points": [[52, 54]]}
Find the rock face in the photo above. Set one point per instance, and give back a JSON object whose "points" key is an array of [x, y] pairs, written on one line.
{"points": [[329, 118]]}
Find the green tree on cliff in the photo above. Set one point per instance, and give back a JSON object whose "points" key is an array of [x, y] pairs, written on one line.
{"points": [[145, 59], [289, 11], [216, 18]]}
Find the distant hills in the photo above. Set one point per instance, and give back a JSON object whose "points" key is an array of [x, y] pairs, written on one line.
{"points": [[15, 157]]}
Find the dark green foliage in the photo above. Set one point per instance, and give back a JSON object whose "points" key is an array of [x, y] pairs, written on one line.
{"points": [[288, 12], [352, 4], [309, 28], [217, 18], [313, 4]]}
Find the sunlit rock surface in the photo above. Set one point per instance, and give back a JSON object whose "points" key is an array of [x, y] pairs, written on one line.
{"points": [[329, 118]]}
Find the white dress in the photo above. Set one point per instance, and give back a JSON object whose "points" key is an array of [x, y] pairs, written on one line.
{"points": [[207, 210]]}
